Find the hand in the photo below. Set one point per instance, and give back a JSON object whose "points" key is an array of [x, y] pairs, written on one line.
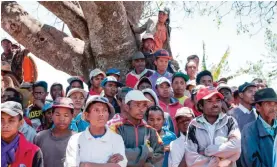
{"points": [[38, 103], [224, 163], [214, 161], [115, 158], [166, 148]]}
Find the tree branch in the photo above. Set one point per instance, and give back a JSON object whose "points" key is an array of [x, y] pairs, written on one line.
{"points": [[71, 14], [46, 42]]}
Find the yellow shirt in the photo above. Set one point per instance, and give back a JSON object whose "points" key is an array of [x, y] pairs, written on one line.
{"points": [[182, 99]]}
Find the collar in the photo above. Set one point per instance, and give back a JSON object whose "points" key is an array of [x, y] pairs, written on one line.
{"points": [[245, 110], [104, 138], [141, 74], [203, 120], [182, 137], [267, 126], [162, 75]]}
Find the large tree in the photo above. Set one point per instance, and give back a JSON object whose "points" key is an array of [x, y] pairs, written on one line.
{"points": [[102, 36]]}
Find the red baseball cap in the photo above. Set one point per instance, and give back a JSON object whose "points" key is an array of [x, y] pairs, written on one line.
{"points": [[207, 92]]}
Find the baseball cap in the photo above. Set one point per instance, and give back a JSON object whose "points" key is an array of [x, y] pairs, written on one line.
{"points": [[101, 99], [113, 71], [162, 53], [135, 95], [184, 111], [138, 55], [196, 89], [41, 84], [5, 39], [96, 72], [191, 83], [180, 74], [46, 107], [162, 80], [26, 85], [111, 79], [141, 80], [223, 86], [75, 90], [123, 91], [165, 10], [74, 78], [147, 36], [5, 66], [63, 102], [207, 92], [12, 108], [242, 87]]}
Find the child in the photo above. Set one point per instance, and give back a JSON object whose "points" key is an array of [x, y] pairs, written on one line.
{"points": [[16, 150], [155, 118], [53, 142]]}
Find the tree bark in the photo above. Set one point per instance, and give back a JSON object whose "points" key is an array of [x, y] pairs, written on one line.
{"points": [[70, 14], [111, 38], [46, 42]]}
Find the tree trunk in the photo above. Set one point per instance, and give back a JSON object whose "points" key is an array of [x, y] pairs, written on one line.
{"points": [[107, 39]]}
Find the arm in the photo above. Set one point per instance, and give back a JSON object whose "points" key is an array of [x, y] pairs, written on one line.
{"points": [[158, 148], [138, 156], [72, 158], [232, 148], [119, 148], [38, 159]]}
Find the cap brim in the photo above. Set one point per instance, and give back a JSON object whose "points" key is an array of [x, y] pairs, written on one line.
{"points": [[267, 99], [224, 87], [98, 74], [9, 112], [83, 92], [117, 83], [62, 106], [167, 57], [212, 94], [111, 108]]}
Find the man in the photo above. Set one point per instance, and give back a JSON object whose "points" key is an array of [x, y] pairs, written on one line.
{"points": [[34, 112], [97, 145], [143, 146], [191, 69], [261, 84], [10, 93], [192, 101], [7, 55], [56, 90], [226, 91], [179, 81], [159, 29], [258, 136], [113, 72], [161, 62], [74, 82], [143, 83], [204, 78], [183, 117], [147, 48], [96, 77], [138, 63], [110, 86], [245, 112], [166, 101], [214, 138], [195, 59]]}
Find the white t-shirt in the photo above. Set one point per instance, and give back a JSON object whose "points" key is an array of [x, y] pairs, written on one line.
{"points": [[177, 151], [83, 147]]}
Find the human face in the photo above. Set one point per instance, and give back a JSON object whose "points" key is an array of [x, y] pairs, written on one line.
{"points": [[212, 106], [156, 120], [267, 110], [98, 114], [248, 95], [144, 85], [110, 89], [56, 91], [9, 126], [260, 85], [62, 118], [139, 65], [191, 69], [7, 95], [148, 45], [162, 17], [206, 80], [163, 90], [7, 46], [162, 64], [96, 81], [39, 93], [137, 109], [183, 123], [48, 116], [76, 84], [78, 100], [190, 88], [228, 97], [149, 97], [179, 86]]}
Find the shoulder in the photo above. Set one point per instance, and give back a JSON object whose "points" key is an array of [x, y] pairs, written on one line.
{"points": [[42, 135], [114, 136], [250, 127], [76, 137]]}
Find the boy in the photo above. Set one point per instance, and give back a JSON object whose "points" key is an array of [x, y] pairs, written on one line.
{"points": [[16, 150], [53, 142]]}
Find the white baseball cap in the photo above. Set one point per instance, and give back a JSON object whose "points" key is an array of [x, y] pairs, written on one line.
{"points": [[96, 72], [74, 90], [147, 36], [12, 108], [184, 111], [135, 95], [162, 80]]}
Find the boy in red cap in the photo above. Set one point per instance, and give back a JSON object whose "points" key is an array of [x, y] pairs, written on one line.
{"points": [[213, 138]]}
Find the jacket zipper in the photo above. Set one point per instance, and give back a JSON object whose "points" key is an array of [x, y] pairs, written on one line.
{"points": [[136, 133]]}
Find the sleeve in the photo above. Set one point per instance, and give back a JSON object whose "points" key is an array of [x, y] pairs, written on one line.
{"points": [[139, 30], [38, 159], [177, 151], [36, 139], [120, 149], [72, 152], [250, 151], [137, 156], [230, 149], [156, 144], [193, 158]]}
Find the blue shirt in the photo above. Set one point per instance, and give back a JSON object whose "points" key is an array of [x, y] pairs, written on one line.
{"points": [[270, 129], [275, 152]]}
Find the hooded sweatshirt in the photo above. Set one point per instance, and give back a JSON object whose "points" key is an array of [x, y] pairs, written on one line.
{"points": [[132, 77], [168, 123]]}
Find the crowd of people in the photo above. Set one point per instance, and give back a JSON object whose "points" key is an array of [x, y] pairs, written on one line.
{"points": [[158, 117]]}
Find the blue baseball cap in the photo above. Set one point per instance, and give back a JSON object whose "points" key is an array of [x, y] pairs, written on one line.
{"points": [[113, 71], [242, 87], [111, 79], [46, 107], [162, 53]]}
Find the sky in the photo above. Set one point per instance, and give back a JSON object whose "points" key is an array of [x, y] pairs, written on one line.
{"points": [[186, 40]]}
